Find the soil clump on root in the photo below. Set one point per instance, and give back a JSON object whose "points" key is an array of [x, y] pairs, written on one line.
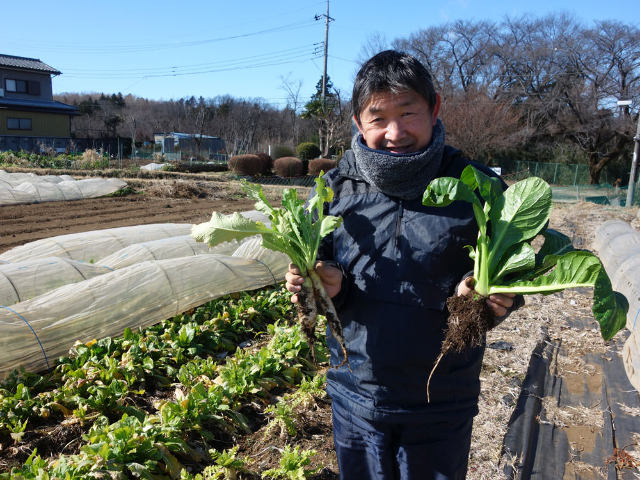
{"points": [[469, 320]]}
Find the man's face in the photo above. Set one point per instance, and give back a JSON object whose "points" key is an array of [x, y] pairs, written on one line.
{"points": [[398, 122]]}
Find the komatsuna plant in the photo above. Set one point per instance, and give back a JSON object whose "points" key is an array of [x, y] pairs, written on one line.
{"points": [[504, 259], [296, 230]]}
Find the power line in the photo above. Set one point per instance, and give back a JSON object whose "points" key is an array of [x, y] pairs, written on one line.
{"points": [[252, 61], [119, 49]]}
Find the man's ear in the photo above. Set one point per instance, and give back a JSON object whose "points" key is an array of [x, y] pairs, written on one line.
{"points": [[355, 120], [436, 109]]}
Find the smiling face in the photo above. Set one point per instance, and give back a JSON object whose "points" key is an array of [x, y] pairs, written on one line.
{"points": [[397, 122]]}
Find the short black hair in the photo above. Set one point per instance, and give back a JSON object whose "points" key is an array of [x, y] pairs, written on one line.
{"points": [[391, 71]]}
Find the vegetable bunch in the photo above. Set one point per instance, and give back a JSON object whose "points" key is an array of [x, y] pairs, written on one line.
{"points": [[296, 231], [505, 261]]}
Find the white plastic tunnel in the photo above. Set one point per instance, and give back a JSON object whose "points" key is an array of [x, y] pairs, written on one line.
{"points": [[618, 246], [106, 299]]}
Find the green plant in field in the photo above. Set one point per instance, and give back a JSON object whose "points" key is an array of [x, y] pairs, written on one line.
{"points": [[38, 468], [283, 418], [227, 466], [293, 463], [308, 391]]}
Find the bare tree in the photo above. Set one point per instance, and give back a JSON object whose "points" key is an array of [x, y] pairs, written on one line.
{"points": [[292, 89]]}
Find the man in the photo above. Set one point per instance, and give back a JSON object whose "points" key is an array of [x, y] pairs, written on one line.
{"points": [[390, 268]]}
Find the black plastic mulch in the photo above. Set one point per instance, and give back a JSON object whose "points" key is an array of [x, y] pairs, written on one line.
{"points": [[544, 451]]}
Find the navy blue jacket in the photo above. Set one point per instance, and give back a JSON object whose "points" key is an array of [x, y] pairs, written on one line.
{"points": [[402, 261]]}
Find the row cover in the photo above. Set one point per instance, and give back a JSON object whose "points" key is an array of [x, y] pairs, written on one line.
{"points": [[19, 188], [133, 292], [618, 246]]}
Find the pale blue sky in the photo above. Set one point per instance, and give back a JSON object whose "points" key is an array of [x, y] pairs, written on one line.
{"points": [[161, 50]]}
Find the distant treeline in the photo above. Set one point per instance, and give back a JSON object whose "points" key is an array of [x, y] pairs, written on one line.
{"points": [[541, 89]]}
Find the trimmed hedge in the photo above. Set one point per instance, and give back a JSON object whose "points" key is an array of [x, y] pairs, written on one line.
{"points": [[288, 167], [321, 164], [249, 164], [267, 162]]}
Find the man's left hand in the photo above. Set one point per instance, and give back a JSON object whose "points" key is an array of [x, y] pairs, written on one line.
{"points": [[499, 303]]}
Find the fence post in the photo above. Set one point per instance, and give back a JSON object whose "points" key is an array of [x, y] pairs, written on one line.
{"points": [[555, 172]]}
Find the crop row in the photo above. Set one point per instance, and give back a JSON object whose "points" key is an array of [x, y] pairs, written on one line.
{"points": [[157, 399]]}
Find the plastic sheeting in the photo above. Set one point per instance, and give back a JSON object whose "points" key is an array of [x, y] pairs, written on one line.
{"points": [[24, 280], [152, 166], [138, 292], [38, 330], [620, 254], [172, 247], [91, 246], [541, 449], [18, 188], [608, 230]]}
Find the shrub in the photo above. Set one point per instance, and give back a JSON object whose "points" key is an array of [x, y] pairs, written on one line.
{"points": [[91, 156], [288, 167], [321, 164], [282, 151], [249, 164], [308, 150], [267, 162]]}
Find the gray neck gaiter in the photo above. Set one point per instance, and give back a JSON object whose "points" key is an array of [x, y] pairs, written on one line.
{"points": [[402, 175]]}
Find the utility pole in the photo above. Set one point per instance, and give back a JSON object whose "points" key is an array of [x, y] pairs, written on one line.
{"points": [[327, 19], [324, 143], [634, 165]]}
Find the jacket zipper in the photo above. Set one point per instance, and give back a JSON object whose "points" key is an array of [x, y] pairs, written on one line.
{"points": [[398, 225]]}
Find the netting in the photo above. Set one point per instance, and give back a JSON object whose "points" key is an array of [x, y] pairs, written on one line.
{"points": [[19, 188], [572, 182]]}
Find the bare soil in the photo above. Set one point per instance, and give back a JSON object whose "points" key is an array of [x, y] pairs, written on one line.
{"points": [[155, 201]]}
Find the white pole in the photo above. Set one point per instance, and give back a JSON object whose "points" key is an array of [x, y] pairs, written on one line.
{"points": [[634, 165]]}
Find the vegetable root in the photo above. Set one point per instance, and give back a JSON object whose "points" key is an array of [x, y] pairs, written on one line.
{"points": [[469, 321], [307, 314], [326, 307]]}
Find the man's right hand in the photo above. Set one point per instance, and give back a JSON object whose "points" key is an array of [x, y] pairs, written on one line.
{"points": [[331, 279]]}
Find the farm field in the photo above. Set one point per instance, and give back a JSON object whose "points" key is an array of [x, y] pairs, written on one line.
{"points": [[261, 414], [159, 201]]}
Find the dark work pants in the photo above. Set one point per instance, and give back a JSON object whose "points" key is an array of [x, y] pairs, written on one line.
{"points": [[370, 450]]}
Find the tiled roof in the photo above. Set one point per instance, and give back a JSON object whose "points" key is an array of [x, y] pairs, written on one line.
{"points": [[24, 63], [20, 103]]}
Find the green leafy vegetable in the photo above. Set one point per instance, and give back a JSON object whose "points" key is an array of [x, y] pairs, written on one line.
{"points": [[505, 261], [296, 231]]}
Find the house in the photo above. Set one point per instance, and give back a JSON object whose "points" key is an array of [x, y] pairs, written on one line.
{"points": [[29, 117]]}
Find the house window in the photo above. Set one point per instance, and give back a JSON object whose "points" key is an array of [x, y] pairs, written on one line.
{"points": [[18, 124], [22, 86]]}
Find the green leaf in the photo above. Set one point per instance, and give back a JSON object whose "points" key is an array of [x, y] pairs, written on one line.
{"points": [[574, 269], [442, 191], [223, 228], [329, 224], [520, 257], [490, 188], [518, 215], [255, 192], [609, 307]]}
